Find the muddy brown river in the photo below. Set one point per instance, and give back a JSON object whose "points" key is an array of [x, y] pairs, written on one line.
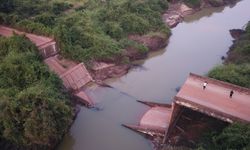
{"points": [[196, 45]]}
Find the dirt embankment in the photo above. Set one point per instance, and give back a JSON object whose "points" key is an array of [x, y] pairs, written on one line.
{"points": [[106, 69]]}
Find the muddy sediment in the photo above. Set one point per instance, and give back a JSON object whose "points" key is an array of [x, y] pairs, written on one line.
{"points": [[104, 70]]}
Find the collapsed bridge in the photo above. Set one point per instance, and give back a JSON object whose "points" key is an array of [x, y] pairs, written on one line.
{"points": [[195, 109]]}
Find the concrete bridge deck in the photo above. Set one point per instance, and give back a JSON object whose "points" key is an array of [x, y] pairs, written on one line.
{"points": [[157, 118], [213, 101], [215, 98]]}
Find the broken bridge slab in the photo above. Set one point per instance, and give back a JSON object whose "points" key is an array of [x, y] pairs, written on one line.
{"points": [[215, 100], [156, 118], [76, 77]]}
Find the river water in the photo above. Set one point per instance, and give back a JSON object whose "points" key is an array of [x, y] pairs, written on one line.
{"points": [[196, 45]]}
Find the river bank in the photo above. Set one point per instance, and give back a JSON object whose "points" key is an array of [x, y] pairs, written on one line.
{"points": [[175, 14]]}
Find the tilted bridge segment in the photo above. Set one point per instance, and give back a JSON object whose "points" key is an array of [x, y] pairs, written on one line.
{"points": [[74, 75], [193, 109]]}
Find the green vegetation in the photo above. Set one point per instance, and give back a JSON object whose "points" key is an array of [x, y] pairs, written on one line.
{"points": [[236, 71], [237, 67], [236, 74], [193, 3], [235, 137], [94, 30], [35, 112]]}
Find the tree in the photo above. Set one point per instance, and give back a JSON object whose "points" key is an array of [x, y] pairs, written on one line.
{"points": [[35, 112]]}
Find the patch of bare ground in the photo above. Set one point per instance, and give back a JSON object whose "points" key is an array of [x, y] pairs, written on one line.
{"points": [[102, 70], [113, 71]]}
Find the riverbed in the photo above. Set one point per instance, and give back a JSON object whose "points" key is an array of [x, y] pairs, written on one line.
{"points": [[196, 45]]}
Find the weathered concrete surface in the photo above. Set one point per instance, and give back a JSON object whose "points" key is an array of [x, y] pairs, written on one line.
{"points": [[212, 103], [215, 100], [156, 118], [84, 98], [55, 66], [76, 77]]}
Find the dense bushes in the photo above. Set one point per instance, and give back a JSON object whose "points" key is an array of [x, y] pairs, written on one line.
{"points": [[193, 3], [235, 137], [98, 34], [237, 68], [95, 30], [132, 23], [33, 27], [236, 74], [34, 110], [236, 71]]}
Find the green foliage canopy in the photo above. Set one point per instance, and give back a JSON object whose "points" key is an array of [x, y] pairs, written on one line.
{"points": [[34, 109], [93, 31]]}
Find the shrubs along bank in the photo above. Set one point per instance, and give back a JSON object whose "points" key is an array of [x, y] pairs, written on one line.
{"points": [[236, 70], [95, 30], [35, 112]]}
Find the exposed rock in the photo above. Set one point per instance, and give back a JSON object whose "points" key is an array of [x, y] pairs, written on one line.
{"points": [[185, 10], [101, 65], [236, 33], [174, 15], [172, 20], [110, 72], [152, 42]]}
